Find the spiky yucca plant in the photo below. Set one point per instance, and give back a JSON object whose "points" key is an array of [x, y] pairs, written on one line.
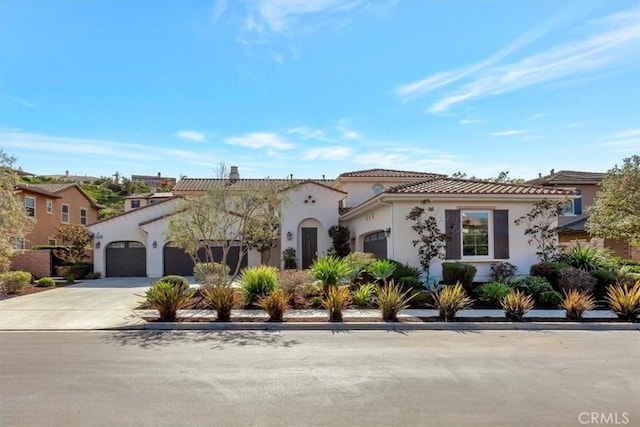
{"points": [[275, 304], [167, 299], [516, 304], [624, 300], [381, 270], [392, 300], [330, 270], [576, 303], [335, 300], [450, 299], [364, 294], [222, 299]]}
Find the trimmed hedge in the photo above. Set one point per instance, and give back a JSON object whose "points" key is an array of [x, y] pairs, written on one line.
{"points": [[454, 272]]}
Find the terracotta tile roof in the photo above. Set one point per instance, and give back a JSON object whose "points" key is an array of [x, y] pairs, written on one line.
{"points": [[568, 177], [53, 188], [38, 190], [388, 173], [136, 211], [465, 186], [204, 184]]}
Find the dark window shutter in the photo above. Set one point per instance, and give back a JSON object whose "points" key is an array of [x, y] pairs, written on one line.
{"points": [[501, 234], [452, 224], [577, 204]]}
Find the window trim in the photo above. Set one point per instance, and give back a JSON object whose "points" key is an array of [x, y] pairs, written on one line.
{"points": [[571, 203], [135, 201], [86, 216], [49, 207], [27, 207], [490, 237], [62, 206]]}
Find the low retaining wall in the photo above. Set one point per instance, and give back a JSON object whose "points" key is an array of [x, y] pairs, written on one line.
{"points": [[36, 262]]}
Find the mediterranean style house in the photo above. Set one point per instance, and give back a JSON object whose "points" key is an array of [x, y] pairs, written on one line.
{"points": [[373, 204], [53, 205]]}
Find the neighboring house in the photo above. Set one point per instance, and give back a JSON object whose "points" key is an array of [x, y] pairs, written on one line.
{"points": [[141, 200], [573, 218], [73, 178], [373, 204], [154, 181], [52, 205]]}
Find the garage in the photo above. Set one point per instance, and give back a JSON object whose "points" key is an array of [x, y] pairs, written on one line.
{"points": [[176, 261], [126, 259], [376, 244]]}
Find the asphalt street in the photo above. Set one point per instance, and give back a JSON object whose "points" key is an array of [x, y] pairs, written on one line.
{"points": [[296, 378]]}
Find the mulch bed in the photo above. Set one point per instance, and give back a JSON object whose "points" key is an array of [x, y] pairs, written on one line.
{"points": [[32, 289]]}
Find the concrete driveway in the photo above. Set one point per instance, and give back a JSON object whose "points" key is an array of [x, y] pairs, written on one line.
{"points": [[92, 304]]}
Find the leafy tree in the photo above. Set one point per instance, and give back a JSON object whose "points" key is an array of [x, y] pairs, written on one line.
{"points": [[227, 216], [76, 239], [502, 178], [431, 240], [541, 226], [341, 238], [616, 211], [13, 221]]}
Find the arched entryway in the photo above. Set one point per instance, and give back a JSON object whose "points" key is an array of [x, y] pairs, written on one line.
{"points": [[126, 259], [376, 243]]}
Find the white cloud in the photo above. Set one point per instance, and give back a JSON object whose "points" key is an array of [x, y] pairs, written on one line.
{"points": [[191, 135], [327, 153], [509, 132], [612, 45], [471, 121], [626, 141], [308, 133], [260, 140], [346, 132]]}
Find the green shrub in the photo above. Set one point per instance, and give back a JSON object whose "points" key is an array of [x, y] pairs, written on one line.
{"points": [[550, 298], [211, 273], [93, 276], [588, 258], [457, 272], [335, 300], [80, 270], [316, 302], [411, 283], [548, 270], [258, 281], [502, 271], [421, 299], [449, 300], [625, 301], [330, 270], [493, 292], [289, 257], [573, 278], [537, 286], [275, 304], [222, 299], [175, 280], [14, 281], [603, 278], [576, 303], [70, 279], [381, 270], [167, 299], [46, 282], [391, 300], [363, 295], [404, 270], [515, 305]]}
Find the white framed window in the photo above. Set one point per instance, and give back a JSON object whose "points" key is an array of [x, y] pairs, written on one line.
{"points": [[64, 217], [30, 206], [377, 189], [567, 208], [83, 216], [50, 207], [135, 204], [19, 243], [477, 234]]}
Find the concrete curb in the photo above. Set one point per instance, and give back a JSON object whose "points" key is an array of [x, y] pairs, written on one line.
{"points": [[383, 326]]}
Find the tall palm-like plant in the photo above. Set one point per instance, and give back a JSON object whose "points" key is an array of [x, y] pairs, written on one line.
{"points": [[330, 270], [381, 270]]}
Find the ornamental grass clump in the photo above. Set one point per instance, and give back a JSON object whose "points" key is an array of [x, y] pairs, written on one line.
{"points": [[493, 292], [275, 304], [257, 282], [330, 270], [624, 301], [222, 299], [46, 282], [364, 294], [516, 304], [335, 300], [392, 300], [576, 303], [167, 299], [381, 270], [14, 281], [450, 299]]}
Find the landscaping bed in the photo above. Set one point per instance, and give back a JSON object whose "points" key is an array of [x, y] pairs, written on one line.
{"points": [[33, 289]]}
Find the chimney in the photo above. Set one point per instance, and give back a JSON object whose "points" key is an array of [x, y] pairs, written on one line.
{"points": [[234, 175], [552, 171], [159, 175], [66, 173], [539, 174]]}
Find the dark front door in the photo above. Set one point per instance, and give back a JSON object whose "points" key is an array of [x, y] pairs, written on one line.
{"points": [[126, 259], [309, 246]]}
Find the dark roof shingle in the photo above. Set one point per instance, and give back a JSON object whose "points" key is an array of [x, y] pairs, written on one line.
{"points": [[568, 177], [465, 186], [388, 173]]}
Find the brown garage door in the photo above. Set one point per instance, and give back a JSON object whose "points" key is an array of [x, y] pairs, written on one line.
{"points": [[176, 261], [126, 259], [376, 243]]}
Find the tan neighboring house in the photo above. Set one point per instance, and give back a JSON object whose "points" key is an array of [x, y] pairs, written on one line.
{"points": [[573, 218], [155, 181], [136, 201], [53, 205]]}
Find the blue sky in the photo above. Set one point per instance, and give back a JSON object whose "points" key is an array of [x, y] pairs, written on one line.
{"points": [[319, 87]]}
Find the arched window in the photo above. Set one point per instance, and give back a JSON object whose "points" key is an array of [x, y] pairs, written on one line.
{"points": [[377, 189]]}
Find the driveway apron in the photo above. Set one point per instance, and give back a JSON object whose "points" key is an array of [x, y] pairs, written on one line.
{"points": [[92, 304]]}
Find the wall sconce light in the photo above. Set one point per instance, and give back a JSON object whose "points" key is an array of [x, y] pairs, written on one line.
{"points": [[99, 236], [387, 232], [97, 245], [154, 244], [289, 235]]}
